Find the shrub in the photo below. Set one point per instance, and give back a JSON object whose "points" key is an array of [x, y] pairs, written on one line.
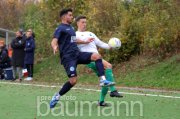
{"points": [[144, 26]]}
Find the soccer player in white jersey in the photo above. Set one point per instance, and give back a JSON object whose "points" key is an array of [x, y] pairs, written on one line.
{"points": [[88, 42]]}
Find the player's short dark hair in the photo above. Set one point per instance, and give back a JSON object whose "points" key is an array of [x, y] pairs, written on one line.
{"points": [[79, 18], [65, 11]]}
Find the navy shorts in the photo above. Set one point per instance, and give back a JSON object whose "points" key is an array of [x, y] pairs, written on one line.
{"points": [[70, 66]]}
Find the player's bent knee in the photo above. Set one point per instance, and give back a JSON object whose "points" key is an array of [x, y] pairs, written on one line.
{"points": [[109, 66], [95, 56], [73, 80]]}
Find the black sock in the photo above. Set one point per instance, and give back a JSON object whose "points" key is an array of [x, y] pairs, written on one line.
{"points": [[66, 87], [100, 67]]}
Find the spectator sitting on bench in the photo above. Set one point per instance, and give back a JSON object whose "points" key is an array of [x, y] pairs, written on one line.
{"points": [[4, 59]]}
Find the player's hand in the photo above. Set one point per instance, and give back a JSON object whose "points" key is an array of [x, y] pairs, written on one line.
{"points": [[54, 45], [89, 40], [55, 49]]}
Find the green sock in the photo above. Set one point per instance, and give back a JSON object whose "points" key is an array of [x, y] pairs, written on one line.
{"points": [[92, 66], [110, 77], [104, 90], [103, 93]]}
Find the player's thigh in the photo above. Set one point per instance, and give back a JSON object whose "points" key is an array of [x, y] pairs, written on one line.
{"points": [[84, 58], [107, 65], [70, 68]]}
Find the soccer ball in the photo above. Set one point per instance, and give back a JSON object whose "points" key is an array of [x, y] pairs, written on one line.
{"points": [[114, 43]]}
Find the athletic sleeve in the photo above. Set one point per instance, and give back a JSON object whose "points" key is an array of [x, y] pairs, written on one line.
{"points": [[57, 33], [100, 43]]}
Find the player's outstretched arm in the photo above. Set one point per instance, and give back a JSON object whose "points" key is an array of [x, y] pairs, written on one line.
{"points": [[102, 44], [79, 41], [54, 45]]}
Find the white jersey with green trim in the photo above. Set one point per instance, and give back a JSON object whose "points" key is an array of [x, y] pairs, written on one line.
{"points": [[90, 47]]}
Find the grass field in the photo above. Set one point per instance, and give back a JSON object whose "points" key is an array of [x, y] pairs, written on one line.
{"points": [[139, 72], [31, 102]]}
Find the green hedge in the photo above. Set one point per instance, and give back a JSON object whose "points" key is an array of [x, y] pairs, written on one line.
{"points": [[144, 26]]}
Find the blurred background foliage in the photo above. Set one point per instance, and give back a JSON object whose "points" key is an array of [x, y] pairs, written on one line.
{"points": [[148, 27]]}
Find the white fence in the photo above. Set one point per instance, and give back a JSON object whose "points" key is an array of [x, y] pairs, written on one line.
{"points": [[6, 35]]}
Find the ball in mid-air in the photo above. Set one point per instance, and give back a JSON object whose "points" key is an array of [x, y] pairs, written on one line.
{"points": [[114, 43]]}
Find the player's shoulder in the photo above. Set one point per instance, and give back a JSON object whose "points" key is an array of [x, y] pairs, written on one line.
{"points": [[59, 28], [87, 33], [78, 32], [91, 33]]}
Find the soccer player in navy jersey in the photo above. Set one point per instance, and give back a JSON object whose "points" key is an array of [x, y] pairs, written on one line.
{"points": [[64, 40]]}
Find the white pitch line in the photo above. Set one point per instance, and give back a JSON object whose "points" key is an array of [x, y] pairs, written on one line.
{"points": [[53, 86]]}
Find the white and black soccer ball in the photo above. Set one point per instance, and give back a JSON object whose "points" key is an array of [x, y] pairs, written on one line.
{"points": [[114, 42]]}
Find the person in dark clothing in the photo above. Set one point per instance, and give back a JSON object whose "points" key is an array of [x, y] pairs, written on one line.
{"points": [[18, 45], [4, 59], [32, 32], [29, 54]]}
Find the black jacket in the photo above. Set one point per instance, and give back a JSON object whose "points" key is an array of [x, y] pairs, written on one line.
{"points": [[4, 58], [18, 45]]}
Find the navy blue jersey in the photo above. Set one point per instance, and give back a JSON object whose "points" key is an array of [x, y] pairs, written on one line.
{"points": [[66, 40]]}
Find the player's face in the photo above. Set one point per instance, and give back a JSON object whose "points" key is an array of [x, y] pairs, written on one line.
{"points": [[69, 17], [81, 24]]}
